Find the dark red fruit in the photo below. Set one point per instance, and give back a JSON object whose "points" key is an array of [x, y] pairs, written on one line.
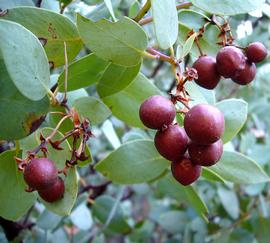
{"points": [[204, 124], [208, 76], [40, 173], [246, 75], [54, 192], [185, 172], [229, 61], [256, 52], [172, 142], [157, 111], [205, 155]]}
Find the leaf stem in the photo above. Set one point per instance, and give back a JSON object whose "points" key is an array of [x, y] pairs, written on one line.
{"points": [[155, 54], [66, 73], [143, 11], [148, 20]]}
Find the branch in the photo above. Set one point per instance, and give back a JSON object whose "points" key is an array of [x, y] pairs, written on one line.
{"points": [[178, 6], [143, 11]]}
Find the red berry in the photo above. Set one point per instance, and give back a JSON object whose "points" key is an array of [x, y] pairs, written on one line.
{"points": [[40, 173], [157, 111], [204, 124], [172, 142], [229, 61], [256, 52], [208, 76], [185, 172], [54, 192], [246, 75], [205, 155]]}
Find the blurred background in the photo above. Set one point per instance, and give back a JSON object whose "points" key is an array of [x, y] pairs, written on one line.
{"points": [[154, 212]]}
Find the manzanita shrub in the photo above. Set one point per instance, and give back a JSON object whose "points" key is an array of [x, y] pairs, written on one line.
{"points": [[151, 72]]}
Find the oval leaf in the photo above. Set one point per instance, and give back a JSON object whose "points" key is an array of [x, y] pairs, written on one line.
{"points": [[82, 73], [126, 103], [228, 7], [52, 29], [134, 162], [121, 42], [165, 22], [92, 109], [15, 201], [237, 168], [29, 70], [188, 45], [235, 114]]}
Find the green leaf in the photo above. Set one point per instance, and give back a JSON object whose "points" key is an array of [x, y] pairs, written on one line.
{"points": [[82, 73], [116, 78], [134, 162], [28, 70], [228, 7], [185, 194], [125, 104], [122, 42], [192, 19], [237, 168], [52, 29], [101, 210], [188, 45], [195, 94], [165, 21], [19, 116], [235, 114], [15, 201], [211, 175], [92, 109]]}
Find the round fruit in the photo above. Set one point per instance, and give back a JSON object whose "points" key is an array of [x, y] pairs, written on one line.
{"points": [[185, 172], [256, 52], [40, 173], [205, 155], [229, 61], [157, 111], [204, 124], [208, 76], [246, 75], [54, 192], [172, 142]]}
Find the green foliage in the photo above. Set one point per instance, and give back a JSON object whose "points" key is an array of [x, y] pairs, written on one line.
{"points": [[134, 162], [122, 42]]}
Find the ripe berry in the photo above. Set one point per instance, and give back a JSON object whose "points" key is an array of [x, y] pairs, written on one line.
{"points": [[54, 192], [157, 111], [205, 155], [185, 172], [40, 173], [204, 124], [246, 75], [230, 60], [208, 76], [172, 142], [256, 52]]}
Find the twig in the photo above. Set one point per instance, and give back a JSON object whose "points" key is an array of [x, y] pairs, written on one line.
{"points": [[66, 73], [143, 11]]}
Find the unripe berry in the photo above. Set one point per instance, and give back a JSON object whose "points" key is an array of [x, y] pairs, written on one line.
{"points": [[256, 52], [208, 76], [157, 111], [204, 124], [172, 142], [229, 61], [246, 75], [54, 192], [185, 172], [205, 155], [40, 173]]}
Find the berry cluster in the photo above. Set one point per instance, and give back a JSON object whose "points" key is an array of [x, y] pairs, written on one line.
{"points": [[41, 174], [231, 62], [197, 144]]}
